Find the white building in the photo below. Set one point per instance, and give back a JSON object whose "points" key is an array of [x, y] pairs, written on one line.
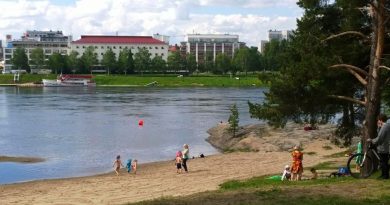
{"points": [[50, 41], [102, 44], [201, 45], [275, 35]]}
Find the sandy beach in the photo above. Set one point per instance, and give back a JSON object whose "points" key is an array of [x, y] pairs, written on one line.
{"points": [[154, 180]]}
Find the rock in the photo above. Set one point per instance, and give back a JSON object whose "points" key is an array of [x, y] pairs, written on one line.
{"points": [[262, 137]]}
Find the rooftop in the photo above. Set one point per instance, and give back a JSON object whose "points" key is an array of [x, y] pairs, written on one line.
{"points": [[99, 39]]}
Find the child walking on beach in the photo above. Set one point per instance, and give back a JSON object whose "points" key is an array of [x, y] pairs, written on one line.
{"points": [[128, 165], [178, 162], [117, 164]]}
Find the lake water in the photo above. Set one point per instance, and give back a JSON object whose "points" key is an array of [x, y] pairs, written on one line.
{"points": [[79, 131]]}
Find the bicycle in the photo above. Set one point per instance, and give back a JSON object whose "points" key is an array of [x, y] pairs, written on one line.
{"points": [[359, 161]]}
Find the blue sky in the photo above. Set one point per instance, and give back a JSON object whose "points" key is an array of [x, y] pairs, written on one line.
{"points": [[250, 19]]}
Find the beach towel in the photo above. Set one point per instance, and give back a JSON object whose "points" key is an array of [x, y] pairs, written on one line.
{"points": [[128, 165]]}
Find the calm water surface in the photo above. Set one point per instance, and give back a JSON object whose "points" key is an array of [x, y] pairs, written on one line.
{"points": [[79, 131]]}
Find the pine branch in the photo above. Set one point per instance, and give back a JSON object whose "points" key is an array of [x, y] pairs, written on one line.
{"points": [[355, 71], [353, 100], [344, 34], [385, 67]]}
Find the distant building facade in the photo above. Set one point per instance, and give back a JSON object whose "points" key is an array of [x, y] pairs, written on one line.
{"points": [[275, 35], [201, 45], [102, 43], [50, 41], [162, 38]]}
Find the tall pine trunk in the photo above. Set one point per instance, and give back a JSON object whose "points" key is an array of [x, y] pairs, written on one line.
{"points": [[373, 91]]}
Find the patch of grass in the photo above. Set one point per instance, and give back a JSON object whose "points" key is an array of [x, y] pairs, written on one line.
{"points": [[229, 150], [326, 166], [312, 192], [340, 154], [311, 153], [327, 147]]}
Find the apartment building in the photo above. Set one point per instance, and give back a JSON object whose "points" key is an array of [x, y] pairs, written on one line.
{"points": [[203, 45], [50, 41], [102, 43]]}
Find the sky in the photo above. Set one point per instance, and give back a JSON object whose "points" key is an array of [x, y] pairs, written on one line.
{"points": [[250, 19]]}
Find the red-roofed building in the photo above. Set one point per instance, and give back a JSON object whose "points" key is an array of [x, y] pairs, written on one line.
{"points": [[117, 43]]}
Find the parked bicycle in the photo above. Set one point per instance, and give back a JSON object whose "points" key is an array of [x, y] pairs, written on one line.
{"points": [[359, 161]]}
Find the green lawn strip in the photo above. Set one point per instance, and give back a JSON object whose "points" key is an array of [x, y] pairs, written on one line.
{"points": [[161, 80], [344, 190], [25, 78]]}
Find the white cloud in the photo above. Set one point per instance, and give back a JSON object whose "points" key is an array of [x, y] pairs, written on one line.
{"points": [[139, 17]]}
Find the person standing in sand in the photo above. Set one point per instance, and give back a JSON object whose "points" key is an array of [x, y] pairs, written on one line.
{"points": [[186, 156], [178, 162], [296, 167], [134, 165], [117, 164]]}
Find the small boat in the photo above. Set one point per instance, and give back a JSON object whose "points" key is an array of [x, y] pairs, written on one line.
{"points": [[69, 81]]}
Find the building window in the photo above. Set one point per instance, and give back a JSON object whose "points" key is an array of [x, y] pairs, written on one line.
{"points": [[102, 47], [162, 47], [96, 47], [156, 47], [150, 47], [114, 47], [83, 46], [162, 54], [101, 54], [120, 47], [77, 46]]}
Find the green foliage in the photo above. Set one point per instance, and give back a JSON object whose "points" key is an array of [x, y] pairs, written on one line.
{"points": [[37, 58], [125, 62], [191, 63], [57, 63], [302, 90], [241, 59], [273, 55], [142, 60], [233, 119], [72, 62], [159, 64], [175, 61], [109, 61], [88, 59], [222, 64], [19, 60]]}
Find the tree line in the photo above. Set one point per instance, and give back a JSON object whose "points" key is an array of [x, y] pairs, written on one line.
{"points": [[336, 66], [244, 60]]}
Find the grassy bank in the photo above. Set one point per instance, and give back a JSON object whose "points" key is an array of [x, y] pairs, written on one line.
{"points": [[260, 190], [163, 81]]}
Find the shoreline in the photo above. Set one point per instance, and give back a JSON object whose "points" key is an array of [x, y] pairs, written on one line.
{"points": [[158, 179]]}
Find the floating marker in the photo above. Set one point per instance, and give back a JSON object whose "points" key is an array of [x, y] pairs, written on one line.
{"points": [[140, 122]]}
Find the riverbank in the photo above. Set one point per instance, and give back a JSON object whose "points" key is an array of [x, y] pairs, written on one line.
{"points": [[148, 80], [159, 179]]}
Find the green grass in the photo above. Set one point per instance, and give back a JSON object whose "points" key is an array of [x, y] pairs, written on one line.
{"points": [[173, 81], [24, 78], [162, 80], [260, 190]]}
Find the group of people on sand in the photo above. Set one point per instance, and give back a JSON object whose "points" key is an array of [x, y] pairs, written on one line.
{"points": [[131, 165], [181, 159], [294, 172]]}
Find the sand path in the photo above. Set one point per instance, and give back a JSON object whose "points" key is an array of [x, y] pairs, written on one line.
{"points": [[156, 179]]}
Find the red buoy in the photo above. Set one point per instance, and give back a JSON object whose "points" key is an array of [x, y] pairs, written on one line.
{"points": [[140, 122]]}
